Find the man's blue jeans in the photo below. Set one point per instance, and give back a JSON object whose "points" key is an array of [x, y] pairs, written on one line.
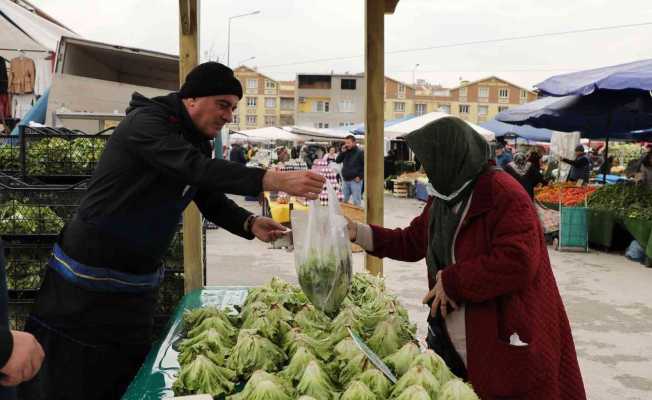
{"points": [[353, 190]]}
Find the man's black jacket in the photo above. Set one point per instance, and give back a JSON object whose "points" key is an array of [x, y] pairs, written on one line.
{"points": [[154, 159], [353, 163]]}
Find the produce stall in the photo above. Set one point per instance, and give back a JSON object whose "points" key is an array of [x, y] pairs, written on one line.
{"points": [[271, 343]]}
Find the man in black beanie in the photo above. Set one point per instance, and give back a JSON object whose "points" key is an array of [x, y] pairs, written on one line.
{"points": [[95, 309]]}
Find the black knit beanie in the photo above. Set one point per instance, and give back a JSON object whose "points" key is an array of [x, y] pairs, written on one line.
{"points": [[210, 79]]}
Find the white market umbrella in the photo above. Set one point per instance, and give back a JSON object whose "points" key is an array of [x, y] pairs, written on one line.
{"points": [[405, 127]]}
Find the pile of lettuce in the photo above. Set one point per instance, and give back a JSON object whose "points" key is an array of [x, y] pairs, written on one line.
{"points": [[278, 346], [58, 156], [20, 218]]}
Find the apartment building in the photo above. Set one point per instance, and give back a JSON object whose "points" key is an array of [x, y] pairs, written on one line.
{"points": [[329, 100], [260, 104], [399, 99], [287, 94], [477, 101]]}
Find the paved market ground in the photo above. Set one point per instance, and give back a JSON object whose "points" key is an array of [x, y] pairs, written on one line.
{"points": [[608, 299]]}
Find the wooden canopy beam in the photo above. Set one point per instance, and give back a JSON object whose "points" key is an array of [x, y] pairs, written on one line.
{"points": [[193, 267], [390, 6]]}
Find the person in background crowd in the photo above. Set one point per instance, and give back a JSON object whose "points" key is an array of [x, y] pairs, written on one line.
{"points": [[225, 152], [237, 154], [331, 156], [503, 155], [527, 171], [580, 166], [646, 170], [283, 155], [597, 159], [251, 153], [21, 355], [352, 160], [497, 318], [390, 164]]}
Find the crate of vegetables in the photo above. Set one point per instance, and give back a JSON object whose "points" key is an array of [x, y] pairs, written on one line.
{"points": [[60, 155], [36, 210], [566, 194], [10, 160]]}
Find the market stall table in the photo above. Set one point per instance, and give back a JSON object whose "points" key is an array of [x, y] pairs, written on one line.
{"points": [[280, 212], [158, 373]]}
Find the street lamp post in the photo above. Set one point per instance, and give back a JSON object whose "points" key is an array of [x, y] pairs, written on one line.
{"points": [[245, 60], [228, 35], [414, 75]]}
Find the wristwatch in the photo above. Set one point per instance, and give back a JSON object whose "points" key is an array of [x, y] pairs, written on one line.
{"points": [[249, 223]]}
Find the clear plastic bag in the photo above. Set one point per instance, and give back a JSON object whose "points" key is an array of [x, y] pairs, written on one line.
{"points": [[322, 253]]}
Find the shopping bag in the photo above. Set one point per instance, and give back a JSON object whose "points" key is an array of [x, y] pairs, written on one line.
{"points": [[322, 253]]}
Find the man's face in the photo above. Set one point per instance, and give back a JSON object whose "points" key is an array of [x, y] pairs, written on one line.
{"points": [[349, 144], [579, 153], [211, 113], [499, 151]]}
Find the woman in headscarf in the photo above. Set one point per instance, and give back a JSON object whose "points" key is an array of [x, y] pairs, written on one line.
{"points": [[527, 171], [497, 317]]}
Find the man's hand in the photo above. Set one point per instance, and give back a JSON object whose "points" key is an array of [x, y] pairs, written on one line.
{"points": [[25, 360], [268, 230], [441, 300], [295, 183]]}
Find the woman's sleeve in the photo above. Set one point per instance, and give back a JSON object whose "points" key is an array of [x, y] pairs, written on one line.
{"points": [[515, 255], [403, 244]]}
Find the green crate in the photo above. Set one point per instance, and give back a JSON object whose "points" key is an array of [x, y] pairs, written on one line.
{"points": [[573, 228]]}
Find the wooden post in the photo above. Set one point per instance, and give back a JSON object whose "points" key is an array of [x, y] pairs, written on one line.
{"points": [[374, 119], [192, 225]]}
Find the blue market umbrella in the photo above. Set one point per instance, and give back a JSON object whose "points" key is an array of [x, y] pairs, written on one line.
{"points": [[527, 132]]}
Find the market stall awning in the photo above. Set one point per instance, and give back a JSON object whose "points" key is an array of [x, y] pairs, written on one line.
{"points": [[403, 128], [317, 133], [359, 129], [264, 134], [527, 132], [630, 76]]}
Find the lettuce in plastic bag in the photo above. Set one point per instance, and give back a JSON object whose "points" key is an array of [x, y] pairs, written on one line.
{"points": [[377, 382], [418, 376], [414, 392], [358, 391], [435, 364], [253, 352], [402, 360], [315, 382], [456, 389], [203, 376]]}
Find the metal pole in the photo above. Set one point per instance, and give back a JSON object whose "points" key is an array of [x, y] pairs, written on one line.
{"points": [[228, 45]]}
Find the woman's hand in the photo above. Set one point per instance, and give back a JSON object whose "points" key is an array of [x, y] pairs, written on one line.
{"points": [[441, 300], [352, 228]]}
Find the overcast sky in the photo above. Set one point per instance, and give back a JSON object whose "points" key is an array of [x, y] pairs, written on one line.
{"points": [[287, 32]]}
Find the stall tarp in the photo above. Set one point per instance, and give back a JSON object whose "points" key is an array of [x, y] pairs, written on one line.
{"points": [[360, 129], [403, 128], [527, 132], [158, 373], [321, 133]]}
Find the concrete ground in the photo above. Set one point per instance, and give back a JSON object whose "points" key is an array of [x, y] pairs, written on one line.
{"points": [[608, 299]]}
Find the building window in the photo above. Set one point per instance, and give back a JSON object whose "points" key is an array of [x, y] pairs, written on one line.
{"points": [[251, 102], [270, 84], [399, 106], [322, 106], [270, 102], [464, 108], [346, 106], [270, 121], [483, 92], [502, 108], [445, 108], [251, 120], [252, 84], [464, 92], [348, 84], [523, 94], [503, 93], [236, 119], [420, 109], [401, 90], [321, 125], [483, 110]]}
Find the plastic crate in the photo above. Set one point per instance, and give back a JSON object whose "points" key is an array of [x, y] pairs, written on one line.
{"points": [[19, 310], [36, 209], [573, 228], [10, 159], [173, 258], [60, 155]]}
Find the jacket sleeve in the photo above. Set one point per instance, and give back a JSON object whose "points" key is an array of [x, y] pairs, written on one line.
{"points": [[160, 144], [515, 255], [222, 211], [340, 157], [403, 244], [360, 164]]}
